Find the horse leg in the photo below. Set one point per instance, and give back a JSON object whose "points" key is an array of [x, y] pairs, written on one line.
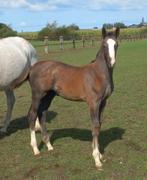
{"points": [[42, 113], [45, 136], [37, 125], [10, 103], [94, 112], [32, 115], [101, 110]]}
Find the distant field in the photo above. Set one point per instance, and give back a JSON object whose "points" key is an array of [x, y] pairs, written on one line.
{"points": [[88, 33], [123, 135]]}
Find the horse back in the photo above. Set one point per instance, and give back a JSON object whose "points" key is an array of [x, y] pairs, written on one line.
{"points": [[70, 82], [16, 56]]}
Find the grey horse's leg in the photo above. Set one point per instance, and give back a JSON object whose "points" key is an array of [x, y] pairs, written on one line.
{"points": [[10, 103]]}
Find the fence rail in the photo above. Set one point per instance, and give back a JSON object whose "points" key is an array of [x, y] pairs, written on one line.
{"points": [[75, 44]]}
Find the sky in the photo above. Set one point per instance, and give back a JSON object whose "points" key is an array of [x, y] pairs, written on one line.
{"points": [[33, 15]]}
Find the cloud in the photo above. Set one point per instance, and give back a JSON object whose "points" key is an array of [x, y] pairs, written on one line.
{"points": [[12, 3], [23, 24], [22, 4], [34, 5], [117, 4], [38, 5]]}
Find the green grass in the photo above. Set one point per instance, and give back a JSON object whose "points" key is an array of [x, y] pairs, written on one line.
{"points": [[123, 134]]}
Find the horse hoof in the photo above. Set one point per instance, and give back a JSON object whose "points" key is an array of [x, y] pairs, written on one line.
{"points": [[50, 148], [36, 153], [99, 166]]}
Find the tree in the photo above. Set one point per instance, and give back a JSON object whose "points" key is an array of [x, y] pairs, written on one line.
{"points": [[120, 25], [73, 27], [6, 31], [108, 26], [117, 24], [44, 32], [53, 31], [52, 26]]}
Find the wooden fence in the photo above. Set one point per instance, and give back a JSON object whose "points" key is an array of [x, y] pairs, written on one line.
{"points": [[61, 45]]}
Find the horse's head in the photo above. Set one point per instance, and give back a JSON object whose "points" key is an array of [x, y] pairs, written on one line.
{"points": [[110, 45]]}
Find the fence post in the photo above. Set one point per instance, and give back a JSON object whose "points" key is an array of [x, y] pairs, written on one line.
{"points": [[83, 41], [61, 42], [74, 44], [46, 46], [92, 41]]}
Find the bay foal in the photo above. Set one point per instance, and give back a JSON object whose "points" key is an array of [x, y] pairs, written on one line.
{"points": [[92, 83]]}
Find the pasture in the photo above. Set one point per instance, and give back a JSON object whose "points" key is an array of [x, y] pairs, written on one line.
{"points": [[123, 134]]}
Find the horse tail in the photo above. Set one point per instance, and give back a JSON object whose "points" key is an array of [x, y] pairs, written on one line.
{"points": [[21, 79]]}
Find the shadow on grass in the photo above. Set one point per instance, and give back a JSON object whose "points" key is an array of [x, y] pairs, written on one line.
{"points": [[22, 123], [105, 138]]}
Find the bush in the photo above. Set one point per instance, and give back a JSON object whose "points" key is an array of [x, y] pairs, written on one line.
{"points": [[54, 32], [120, 25], [28, 35], [6, 31], [44, 32]]}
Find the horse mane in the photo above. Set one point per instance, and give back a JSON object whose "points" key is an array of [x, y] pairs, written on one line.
{"points": [[96, 56]]}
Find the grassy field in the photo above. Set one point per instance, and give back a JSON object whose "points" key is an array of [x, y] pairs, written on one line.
{"points": [[91, 33], [123, 137]]}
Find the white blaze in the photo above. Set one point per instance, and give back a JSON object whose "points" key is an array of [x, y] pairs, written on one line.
{"points": [[111, 43]]}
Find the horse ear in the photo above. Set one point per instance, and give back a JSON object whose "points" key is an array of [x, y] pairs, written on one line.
{"points": [[104, 32], [117, 32]]}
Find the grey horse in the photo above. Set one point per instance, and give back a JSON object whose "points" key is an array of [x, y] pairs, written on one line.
{"points": [[16, 57]]}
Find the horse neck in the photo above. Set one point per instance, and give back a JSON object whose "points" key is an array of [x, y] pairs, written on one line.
{"points": [[102, 63]]}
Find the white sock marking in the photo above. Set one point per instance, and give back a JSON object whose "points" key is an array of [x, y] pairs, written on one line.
{"points": [[34, 143], [37, 125], [49, 146]]}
